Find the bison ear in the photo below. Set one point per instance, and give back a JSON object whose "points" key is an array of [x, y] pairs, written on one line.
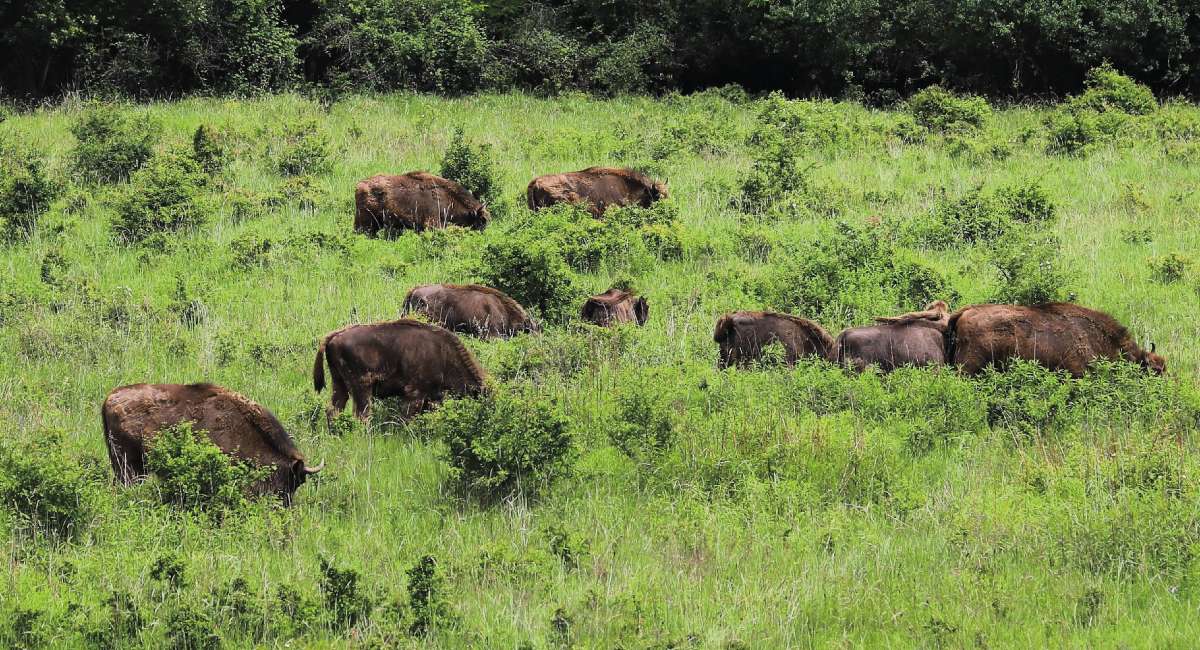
{"points": [[642, 310]]}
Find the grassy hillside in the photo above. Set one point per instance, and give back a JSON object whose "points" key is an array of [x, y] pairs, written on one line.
{"points": [[786, 508]]}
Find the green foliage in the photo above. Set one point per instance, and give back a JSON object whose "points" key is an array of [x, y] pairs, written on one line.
{"points": [[344, 600], [193, 473], [190, 628], [160, 199], [25, 191], [643, 428], [1109, 90], [304, 149], [939, 110], [504, 443], [427, 597], [1071, 133], [533, 272], [979, 217], [1028, 400], [48, 492], [111, 144], [209, 150], [472, 167], [1029, 268], [1170, 268], [1027, 202]]}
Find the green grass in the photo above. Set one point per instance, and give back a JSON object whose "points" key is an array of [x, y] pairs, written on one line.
{"points": [[785, 514]]}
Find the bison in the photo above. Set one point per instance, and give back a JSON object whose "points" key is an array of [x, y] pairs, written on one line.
{"points": [[472, 308], [1059, 336], [742, 335], [133, 416], [595, 189], [615, 306], [914, 339], [415, 201], [416, 361]]}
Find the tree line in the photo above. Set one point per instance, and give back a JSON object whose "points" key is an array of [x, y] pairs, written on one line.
{"points": [[875, 50]]}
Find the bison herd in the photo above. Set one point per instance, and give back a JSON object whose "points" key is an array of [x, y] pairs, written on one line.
{"points": [[424, 362]]}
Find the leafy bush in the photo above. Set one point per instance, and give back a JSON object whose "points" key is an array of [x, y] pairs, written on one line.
{"points": [[939, 110], [427, 597], [1027, 202], [190, 627], [978, 217], [504, 443], [1071, 133], [194, 473], [775, 177], [344, 600], [1170, 268], [48, 492], [209, 150], [304, 149], [629, 65], [472, 167], [111, 144], [161, 199], [533, 273], [1027, 399], [1029, 268], [643, 428], [25, 191], [1109, 90], [802, 124]]}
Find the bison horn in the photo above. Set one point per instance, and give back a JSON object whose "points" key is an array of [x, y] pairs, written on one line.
{"points": [[314, 470]]}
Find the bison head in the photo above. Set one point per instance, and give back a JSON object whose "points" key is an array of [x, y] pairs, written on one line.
{"points": [[479, 218], [658, 191], [1153, 362], [293, 477], [641, 310]]}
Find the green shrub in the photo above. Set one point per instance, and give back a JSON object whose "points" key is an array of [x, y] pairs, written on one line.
{"points": [[111, 144], [1108, 90], [1027, 202], [472, 167], [802, 124], [534, 273], [978, 217], [304, 149], [123, 624], [344, 600], [939, 110], [427, 597], [188, 627], [504, 443], [1028, 400], [1029, 268], [47, 492], [643, 428], [161, 199], [1170, 268], [629, 65], [694, 134], [1071, 133], [209, 150], [194, 473], [775, 177], [979, 147], [25, 192]]}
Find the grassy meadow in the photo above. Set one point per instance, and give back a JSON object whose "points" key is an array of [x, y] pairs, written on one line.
{"points": [[786, 508]]}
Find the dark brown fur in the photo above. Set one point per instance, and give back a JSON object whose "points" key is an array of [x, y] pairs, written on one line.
{"points": [[471, 308], [913, 339], [615, 306], [133, 416], [742, 335], [595, 189], [1060, 336], [416, 361], [415, 201]]}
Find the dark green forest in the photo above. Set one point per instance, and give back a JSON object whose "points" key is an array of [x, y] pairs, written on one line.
{"points": [[871, 50]]}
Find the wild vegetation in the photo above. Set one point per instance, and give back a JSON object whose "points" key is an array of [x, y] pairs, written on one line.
{"points": [[616, 489]]}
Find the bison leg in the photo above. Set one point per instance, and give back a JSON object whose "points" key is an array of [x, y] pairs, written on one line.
{"points": [[362, 402], [338, 402], [128, 465]]}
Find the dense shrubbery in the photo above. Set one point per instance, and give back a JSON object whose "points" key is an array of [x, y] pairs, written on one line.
{"points": [[160, 199], [48, 492], [472, 167], [25, 191], [111, 143], [194, 473], [939, 110], [304, 149], [502, 444]]}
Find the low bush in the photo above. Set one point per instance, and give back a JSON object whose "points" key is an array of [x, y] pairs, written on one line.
{"points": [[1071, 133], [776, 178], [1028, 400], [534, 273], [1029, 268], [345, 601], [161, 199], [643, 428], [694, 134], [1106, 89], [504, 443], [193, 473], [980, 217], [939, 110], [802, 124], [112, 144], [190, 626], [304, 149], [1027, 202], [472, 167], [48, 493], [427, 597], [209, 149], [1170, 268], [25, 191]]}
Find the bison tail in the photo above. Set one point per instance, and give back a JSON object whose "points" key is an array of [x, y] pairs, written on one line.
{"points": [[319, 367], [950, 337]]}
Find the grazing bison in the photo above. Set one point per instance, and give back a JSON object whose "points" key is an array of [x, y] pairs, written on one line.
{"points": [[914, 339], [615, 306], [742, 336], [415, 201], [1060, 336], [595, 189], [406, 358], [133, 416], [472, 308]]}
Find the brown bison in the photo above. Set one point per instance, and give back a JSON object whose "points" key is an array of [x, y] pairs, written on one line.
{"points": [[914, 339], [415, 201], [416, 361], [742, 336], [133, 416], [595, 189], [614, 307], [1060, 336], [472, 308]]}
